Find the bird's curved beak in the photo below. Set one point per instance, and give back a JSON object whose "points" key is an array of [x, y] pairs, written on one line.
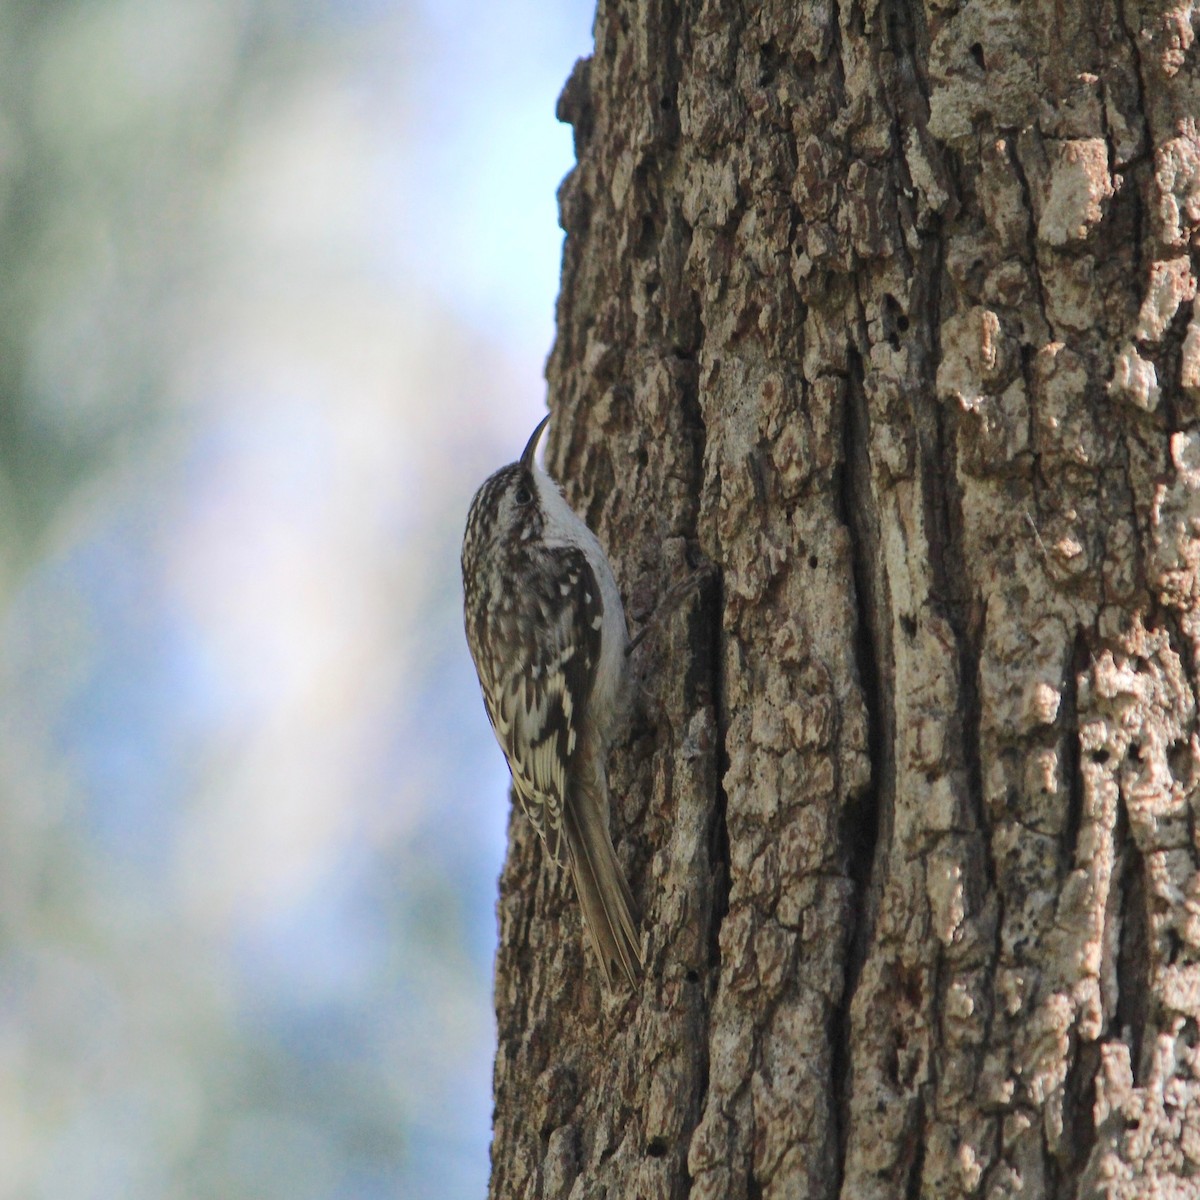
{"points": [[531, 445]]}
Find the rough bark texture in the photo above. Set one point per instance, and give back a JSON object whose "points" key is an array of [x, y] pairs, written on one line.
{"points": [[888, 311]]}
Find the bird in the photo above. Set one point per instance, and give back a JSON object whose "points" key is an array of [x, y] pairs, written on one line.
{"points": [[546, 630]]}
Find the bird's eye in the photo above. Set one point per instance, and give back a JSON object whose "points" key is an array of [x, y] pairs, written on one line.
{"points": [[522, 495]]}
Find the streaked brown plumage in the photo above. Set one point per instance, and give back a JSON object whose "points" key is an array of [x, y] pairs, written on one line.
{"points": [[546, 631]]}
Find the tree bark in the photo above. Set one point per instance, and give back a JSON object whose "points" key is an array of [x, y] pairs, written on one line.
{"points": [[885, 310]]}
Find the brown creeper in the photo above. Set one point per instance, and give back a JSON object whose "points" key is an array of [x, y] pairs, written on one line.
{"points": [[546, 629]]}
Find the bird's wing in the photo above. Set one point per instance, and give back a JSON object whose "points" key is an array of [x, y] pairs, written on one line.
{"points": [[540, 709]]}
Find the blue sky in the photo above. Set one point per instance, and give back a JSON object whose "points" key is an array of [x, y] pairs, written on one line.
{"points": [[252, 812]]}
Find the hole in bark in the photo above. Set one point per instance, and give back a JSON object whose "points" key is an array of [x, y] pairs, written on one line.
{"points": [[813, 562], [1174, 946], [1100, 756], [665, 103], [1179, 758], [691, 977], [977, 55], [909, 626], [769, 60], [894, 321], [892, 1064], [656, 1147], [646, 236]]}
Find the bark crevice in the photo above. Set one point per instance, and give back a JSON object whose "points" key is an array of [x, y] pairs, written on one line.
{"points": [[718, 836], [1133, 949], [861, 815], [1072, 771]]}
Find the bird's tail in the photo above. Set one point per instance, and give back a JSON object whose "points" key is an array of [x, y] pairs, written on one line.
{"points": [[604, 896]]}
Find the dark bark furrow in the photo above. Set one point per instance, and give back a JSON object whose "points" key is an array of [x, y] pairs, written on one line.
{"points": [[861, 815]]}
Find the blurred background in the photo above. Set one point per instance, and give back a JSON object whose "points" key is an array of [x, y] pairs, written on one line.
{"points": [[277, 282]]}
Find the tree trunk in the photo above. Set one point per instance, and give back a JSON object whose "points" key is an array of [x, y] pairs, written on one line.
{"points": [[887, 311]]}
